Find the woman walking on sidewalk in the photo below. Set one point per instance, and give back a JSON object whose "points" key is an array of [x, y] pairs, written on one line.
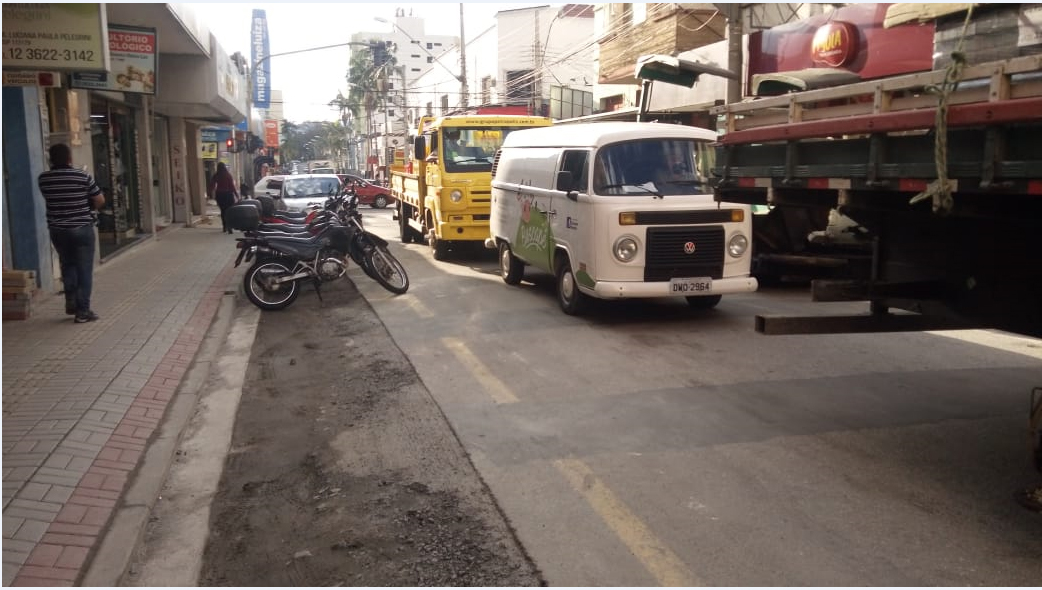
{"points": [[222, 189]]}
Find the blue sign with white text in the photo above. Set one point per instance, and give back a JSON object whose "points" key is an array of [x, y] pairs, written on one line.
{"points": [[259, 51]]}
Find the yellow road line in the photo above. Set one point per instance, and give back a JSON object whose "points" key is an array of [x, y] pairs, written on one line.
{"points": [[418, 306], [500, 393], [656, 557]]}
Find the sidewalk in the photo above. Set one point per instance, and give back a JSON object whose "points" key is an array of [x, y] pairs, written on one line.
{"points": [[81, 402]]}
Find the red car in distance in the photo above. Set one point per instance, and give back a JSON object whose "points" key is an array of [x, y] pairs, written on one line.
{"points": [[374, 195]]}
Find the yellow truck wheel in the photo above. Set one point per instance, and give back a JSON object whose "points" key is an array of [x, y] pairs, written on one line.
{"points": [[439, 247]]}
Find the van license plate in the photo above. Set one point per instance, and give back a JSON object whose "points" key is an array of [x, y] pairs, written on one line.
{"points": [[695, 286]]}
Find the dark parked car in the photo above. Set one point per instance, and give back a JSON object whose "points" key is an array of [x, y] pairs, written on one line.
{"points": [[374, 195]]}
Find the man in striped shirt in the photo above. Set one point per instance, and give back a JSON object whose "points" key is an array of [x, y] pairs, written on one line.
{"points": [[72, 196]]}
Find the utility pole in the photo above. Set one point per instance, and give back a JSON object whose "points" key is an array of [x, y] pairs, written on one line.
{"points": [[464, 91], [734, 50]]}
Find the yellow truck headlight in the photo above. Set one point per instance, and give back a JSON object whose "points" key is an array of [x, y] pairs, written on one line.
{"points": [[456, 195]]}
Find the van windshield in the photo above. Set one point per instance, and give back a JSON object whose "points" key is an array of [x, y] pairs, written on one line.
{"points": [[650, 167], [472, 149]]}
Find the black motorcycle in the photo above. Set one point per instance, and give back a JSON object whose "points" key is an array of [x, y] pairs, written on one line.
{"points": [[368, 250], [318, 252]]}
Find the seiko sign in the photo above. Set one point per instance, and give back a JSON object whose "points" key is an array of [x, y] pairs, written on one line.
{"points": [[834, 44]]}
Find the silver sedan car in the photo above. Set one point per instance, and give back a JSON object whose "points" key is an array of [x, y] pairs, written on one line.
{"points": [[302, 192]]}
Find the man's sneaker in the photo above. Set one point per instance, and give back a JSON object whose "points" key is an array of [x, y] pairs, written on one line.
{"points": [[88, 316]]}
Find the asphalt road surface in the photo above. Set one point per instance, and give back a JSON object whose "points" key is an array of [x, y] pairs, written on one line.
{"points": [[642, 444]]}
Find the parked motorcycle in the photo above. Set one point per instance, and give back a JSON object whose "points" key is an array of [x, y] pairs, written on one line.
{"points": [[287, 254], [369, 250]]}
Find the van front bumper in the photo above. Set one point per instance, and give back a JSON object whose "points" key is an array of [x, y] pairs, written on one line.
{"points": [[628, 289]]}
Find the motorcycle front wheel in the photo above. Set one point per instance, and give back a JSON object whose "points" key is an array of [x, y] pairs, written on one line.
{"points": [[261, 289], [385, 269]]}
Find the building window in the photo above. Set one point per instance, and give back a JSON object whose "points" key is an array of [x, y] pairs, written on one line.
{"points": [[430, 109], [566, 103], [520, 85], [390, 112], [430, 45], [430, 59], [444, 103], [486, 89], [619, 15], [415, 56], [417, 70]]}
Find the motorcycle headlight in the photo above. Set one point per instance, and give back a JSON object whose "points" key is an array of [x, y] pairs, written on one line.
{"points": [[625, 249], [456, 195], [737, 245]]}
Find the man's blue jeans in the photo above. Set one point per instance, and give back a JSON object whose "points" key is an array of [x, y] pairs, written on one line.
{"points": [[76, 254]]}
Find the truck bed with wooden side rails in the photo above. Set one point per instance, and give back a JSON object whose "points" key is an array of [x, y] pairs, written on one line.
{"points": [[952, 206]]}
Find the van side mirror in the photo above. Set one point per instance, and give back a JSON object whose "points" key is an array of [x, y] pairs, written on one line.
{"points": [[566, 183]]}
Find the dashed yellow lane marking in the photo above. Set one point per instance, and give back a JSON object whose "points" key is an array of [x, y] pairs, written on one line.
{"points": [[500, 393], [418, 307], [656, 557]]}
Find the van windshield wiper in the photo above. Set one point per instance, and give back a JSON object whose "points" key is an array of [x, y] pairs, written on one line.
{"points": [[644, 187], [687, 182]]}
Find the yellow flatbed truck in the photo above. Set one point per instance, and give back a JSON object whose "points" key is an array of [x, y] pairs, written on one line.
{"points": [[444, 192]]}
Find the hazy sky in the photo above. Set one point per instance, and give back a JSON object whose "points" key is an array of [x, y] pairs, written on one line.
{"points": [[310, 80]]}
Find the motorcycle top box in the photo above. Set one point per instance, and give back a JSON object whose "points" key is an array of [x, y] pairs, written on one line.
{"points": [[244, 216]]}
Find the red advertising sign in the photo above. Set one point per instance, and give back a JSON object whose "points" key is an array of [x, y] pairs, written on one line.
{"points": [[271, 133], [834, 44], [133, 60]]}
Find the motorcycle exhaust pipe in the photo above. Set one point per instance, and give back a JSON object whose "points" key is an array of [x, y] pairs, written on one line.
{"points": [[299, 275]]}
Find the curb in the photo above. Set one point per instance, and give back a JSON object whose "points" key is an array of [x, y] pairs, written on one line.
{"points": [[95, 535]]}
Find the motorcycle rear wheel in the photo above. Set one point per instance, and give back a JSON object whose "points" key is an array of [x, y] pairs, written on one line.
{"points": [[257, 282], [385, 269]]}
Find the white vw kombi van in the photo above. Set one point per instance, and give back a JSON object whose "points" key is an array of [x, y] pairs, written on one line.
{"points": [[618, 210]]}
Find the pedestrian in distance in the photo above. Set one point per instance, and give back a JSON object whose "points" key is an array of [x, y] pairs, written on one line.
{"points": [[72, 197], [222, 189]]}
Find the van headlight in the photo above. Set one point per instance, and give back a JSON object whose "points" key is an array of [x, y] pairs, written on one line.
{"points": [[737, 245], [625, 249], [456, 195]]}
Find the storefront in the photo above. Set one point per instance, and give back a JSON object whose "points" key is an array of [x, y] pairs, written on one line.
{"points": [[114, 144]]}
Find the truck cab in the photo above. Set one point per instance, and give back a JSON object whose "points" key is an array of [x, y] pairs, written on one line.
{"points": [[443, 195]]}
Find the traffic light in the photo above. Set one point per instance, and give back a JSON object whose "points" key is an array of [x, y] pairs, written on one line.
{"points": [[229, 144]]}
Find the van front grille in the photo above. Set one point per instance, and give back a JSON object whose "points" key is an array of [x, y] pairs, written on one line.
{"points": [[668, 255]]}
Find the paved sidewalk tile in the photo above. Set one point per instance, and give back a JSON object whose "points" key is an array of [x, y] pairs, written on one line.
{"points": [[81, 402]]}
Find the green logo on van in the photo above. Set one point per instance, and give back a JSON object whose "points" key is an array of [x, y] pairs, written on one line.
{"points": [[534, 239]]}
